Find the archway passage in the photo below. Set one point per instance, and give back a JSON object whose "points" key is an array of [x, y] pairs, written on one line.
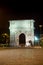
{"points": [[22, 39]]}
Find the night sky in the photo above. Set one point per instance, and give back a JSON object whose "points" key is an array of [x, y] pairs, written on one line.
{"points": [[12, 11]]}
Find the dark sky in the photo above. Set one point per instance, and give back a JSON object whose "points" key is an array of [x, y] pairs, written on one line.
{"points": [[11, 11]]}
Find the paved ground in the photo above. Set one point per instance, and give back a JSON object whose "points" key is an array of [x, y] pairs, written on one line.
{"points": [[21, 56]]}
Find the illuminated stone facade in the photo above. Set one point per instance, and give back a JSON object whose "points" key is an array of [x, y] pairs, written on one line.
{"points": [[18, 27]]}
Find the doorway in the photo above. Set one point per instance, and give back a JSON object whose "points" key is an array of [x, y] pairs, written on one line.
{"points": [[22, 39]]}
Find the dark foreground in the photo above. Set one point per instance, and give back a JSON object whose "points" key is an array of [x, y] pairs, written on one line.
{"points": [[21, 56]]}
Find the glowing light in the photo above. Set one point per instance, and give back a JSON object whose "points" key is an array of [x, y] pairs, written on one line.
{"points": [[40, 26], [36, 38]]}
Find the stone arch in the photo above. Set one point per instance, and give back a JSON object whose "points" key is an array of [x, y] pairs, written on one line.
{"points": [[22, 39]]}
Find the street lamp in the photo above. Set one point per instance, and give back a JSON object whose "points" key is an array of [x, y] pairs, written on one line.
{"points": [[40, 29], [40, 26]]}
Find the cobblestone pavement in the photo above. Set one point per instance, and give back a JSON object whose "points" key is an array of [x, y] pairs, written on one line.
{"points": [[21, 57]]}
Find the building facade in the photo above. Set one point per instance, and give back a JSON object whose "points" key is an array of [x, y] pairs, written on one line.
{"points": [[21, 32]]}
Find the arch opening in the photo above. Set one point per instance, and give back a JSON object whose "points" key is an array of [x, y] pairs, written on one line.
{"points": [[22, 39]]}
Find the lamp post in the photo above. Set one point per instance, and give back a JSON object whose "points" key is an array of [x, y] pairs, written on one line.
{"points": [[40, 29], [40, 26]]}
